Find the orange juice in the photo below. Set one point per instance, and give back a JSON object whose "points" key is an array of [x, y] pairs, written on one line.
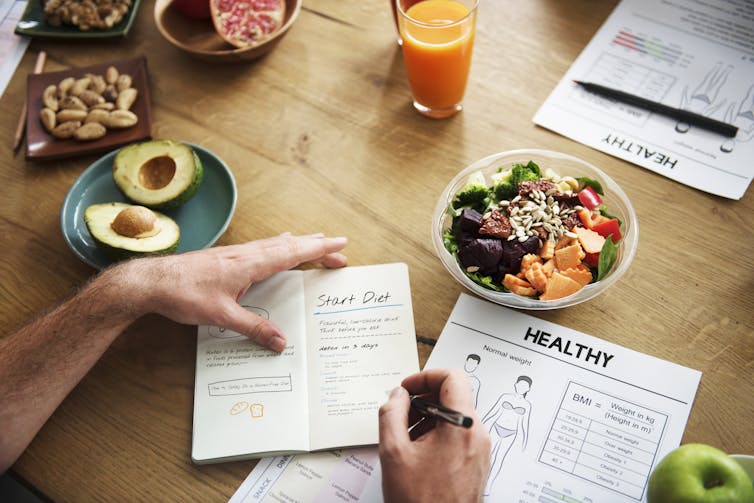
{"points": [[438, 38]]}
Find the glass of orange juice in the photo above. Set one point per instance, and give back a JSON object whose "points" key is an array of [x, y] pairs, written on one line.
{"points": [[438, 38]]}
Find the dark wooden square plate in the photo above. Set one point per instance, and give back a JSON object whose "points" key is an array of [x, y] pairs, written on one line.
{"points": [[42, 145]]}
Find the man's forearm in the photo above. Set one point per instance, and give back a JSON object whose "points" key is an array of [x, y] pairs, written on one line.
{"points": [[45, 359]]}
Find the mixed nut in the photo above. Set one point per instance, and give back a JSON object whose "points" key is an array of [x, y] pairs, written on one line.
{"points": [[85, 108], [86, 14]]}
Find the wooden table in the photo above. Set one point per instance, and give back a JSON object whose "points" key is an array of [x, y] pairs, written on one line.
{"points": [[321, 136]]}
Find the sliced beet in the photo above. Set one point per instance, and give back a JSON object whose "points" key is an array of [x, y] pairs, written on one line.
{"points": [[482, 253], [531, 245], [470, 220], [512, 251]]}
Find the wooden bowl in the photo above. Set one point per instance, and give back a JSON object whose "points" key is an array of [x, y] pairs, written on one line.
{"points": [[199, 38]]}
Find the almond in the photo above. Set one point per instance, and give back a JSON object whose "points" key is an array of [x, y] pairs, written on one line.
{"points": [[91, 98], [111, 75], [48, 119], [64, 86], [121, 119], [123, 82], [71, 115], [107, 106], [66, 129], [80, 86], [72, 103], [98, 84], [126, 98], [96, 115], [50, 98], [90, 131]]}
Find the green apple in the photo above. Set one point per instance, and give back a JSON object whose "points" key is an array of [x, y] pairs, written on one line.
{"points": [[698, 473]]}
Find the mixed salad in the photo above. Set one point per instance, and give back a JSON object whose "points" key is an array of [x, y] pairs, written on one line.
{"points": [[531, 233]]}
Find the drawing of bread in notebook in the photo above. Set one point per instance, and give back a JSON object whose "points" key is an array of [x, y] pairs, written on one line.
{"points": [[257, 410], [238, 407]]}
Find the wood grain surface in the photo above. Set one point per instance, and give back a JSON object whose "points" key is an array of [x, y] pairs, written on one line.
{"points": [[320, 136]]}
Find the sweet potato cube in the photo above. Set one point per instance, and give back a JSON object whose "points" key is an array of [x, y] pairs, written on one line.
{"points": [[568, 257], [549, 267], [581, 274], [527, 261], [559, 286], [590, 241], [547, 251], [563, 242], [536, 276], [518, 286]]}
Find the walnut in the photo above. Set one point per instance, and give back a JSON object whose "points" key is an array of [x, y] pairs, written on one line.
{"points": [[86, 14], [495, 224]]}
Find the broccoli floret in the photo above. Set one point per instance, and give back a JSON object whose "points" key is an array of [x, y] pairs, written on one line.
{"points": [[534, 168], [475, 194], [521, 173], [504, 190], [507, 187], [502, 184]]}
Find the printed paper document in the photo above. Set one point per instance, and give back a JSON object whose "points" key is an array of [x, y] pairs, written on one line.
{"points": [[351, 339], [687, 54], [12, 46], [572, 417]]}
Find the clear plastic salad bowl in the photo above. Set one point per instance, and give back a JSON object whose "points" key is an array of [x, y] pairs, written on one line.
{"points": [[614, 199]]}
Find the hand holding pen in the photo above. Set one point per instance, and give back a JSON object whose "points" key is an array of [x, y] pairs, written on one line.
{"points": [[457, 447], [437, 411]]}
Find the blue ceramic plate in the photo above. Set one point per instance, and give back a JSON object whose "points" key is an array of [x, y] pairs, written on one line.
{"points": [[202, 220], [32, 24]]}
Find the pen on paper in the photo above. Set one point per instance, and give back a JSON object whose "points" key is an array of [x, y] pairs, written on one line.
{"points": [[38, 66], [694, 119], [438, 411]]}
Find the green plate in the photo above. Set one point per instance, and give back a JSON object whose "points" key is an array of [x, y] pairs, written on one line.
{"points": [[32, 24], [202, 220]]}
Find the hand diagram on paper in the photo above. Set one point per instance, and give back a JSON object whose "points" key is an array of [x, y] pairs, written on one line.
{"points": [[704, 99], [508, 424], [743, 117]]}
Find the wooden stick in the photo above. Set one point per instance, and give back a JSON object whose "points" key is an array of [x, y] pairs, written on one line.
{"points": [[21, 128]]}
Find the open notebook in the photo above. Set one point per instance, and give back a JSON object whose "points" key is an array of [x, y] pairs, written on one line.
{"points": [[351, 340]]}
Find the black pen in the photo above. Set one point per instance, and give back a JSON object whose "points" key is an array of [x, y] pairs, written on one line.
{"points": [[686, 116], [438, 411]]}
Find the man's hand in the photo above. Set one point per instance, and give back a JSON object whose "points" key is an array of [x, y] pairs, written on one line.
{"points": [[204, 287], [46, 358], [448, 463]]}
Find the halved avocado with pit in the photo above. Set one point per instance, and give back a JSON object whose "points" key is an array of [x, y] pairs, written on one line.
{"points": [[123, 230], [159, 174]]}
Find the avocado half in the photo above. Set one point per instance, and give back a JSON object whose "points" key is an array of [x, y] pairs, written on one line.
{"points": [[122, 230], [159, 174]]}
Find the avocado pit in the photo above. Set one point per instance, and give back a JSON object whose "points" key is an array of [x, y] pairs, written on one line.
{"points": [[135, 222], [157, 172]]}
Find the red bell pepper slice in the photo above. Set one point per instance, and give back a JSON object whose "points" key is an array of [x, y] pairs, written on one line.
{"points": [[609, 227], [589, 198], [592, 259], [589, 219]]}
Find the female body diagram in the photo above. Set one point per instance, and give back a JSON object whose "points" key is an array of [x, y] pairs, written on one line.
{"points": [[508, 423]]}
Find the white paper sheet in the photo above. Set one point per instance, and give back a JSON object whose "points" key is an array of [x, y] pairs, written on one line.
{"points": [[572, 417], [686, 54], [12, 46]]}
